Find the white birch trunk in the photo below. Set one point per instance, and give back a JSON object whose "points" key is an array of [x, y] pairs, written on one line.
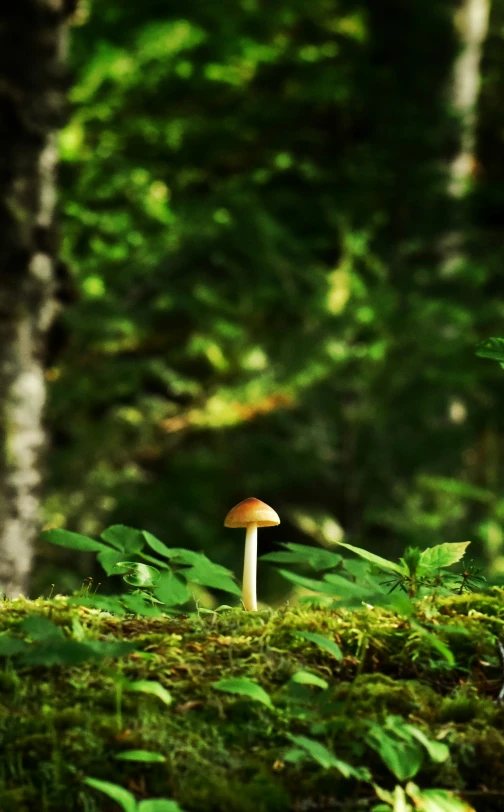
{"points": [[471, 22], [31, 105], [472, 25]]}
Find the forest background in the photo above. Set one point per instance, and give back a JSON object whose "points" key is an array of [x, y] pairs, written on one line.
{"points": [[272, 278]]}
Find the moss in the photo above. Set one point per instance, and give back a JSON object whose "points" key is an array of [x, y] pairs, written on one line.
{"points": [[60, 724]]}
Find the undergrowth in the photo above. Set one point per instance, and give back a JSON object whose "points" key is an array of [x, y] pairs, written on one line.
{"points": [[227, 711]]}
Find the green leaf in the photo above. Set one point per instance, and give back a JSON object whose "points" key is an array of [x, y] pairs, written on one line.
{"points": [[309, 583], [110, 648], [491, 348], [190, 557], [200, 569], [193, 559], [380, 562], [145, 686], [159, 805], [121, 796], [138, 574], [138, 605], [105, 603], [322, 642], [306, 678], [109, 559], [244, 687], [155, 561], [125, 539], [395, 800], [315, 749], [441, 484], [437, 751], [323, 756], [172, 590], [402, 758], [315, 557], [74, 541], [158, 546], [350, 589], [41, 629], [436, 800], [206, 573], [11, 646], [140, 755], [443, 555], [72, 652], [435, 642], [69, 652], [295, 755]]}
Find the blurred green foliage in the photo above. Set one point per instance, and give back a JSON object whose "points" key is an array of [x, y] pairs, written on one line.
{"points": [[256, 221]]}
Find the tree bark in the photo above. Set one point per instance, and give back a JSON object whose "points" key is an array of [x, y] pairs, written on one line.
{"points": [[32, 55], [472, 25], [471, 22]]}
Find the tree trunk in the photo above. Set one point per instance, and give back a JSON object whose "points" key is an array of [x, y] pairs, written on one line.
{"points": [[471, 21], [32, 46], [472, 25]]}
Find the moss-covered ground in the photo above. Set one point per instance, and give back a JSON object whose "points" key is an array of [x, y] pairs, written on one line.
{"points": [[226, 753]]}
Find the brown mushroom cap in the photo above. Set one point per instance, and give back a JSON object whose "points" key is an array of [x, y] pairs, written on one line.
{"points": [[251, 511]]}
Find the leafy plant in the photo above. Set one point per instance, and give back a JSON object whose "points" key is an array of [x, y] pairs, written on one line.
{"points": [[40, 642], [402, 746], [306, 678], [145, 756], [416, 573], [322, 642], [127, 801], [244, 687], [316, 558], [164, 580], [310, 748], [491, 348], [429, 800]]}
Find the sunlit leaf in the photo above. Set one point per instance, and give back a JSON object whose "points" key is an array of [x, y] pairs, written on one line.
{"points": [[138, 574], [380, 562], [443, 555], [141, 755], [152, 688], [159, 805], [491, 348], [243, 687], [437, 751], [121, 796], [436, 800], [306, 678]]}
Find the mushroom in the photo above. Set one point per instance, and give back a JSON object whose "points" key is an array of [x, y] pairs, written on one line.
{"points": [[251, 513]]}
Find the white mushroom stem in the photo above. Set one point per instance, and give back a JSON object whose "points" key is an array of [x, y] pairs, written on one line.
{"points": [[249, 588]]}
